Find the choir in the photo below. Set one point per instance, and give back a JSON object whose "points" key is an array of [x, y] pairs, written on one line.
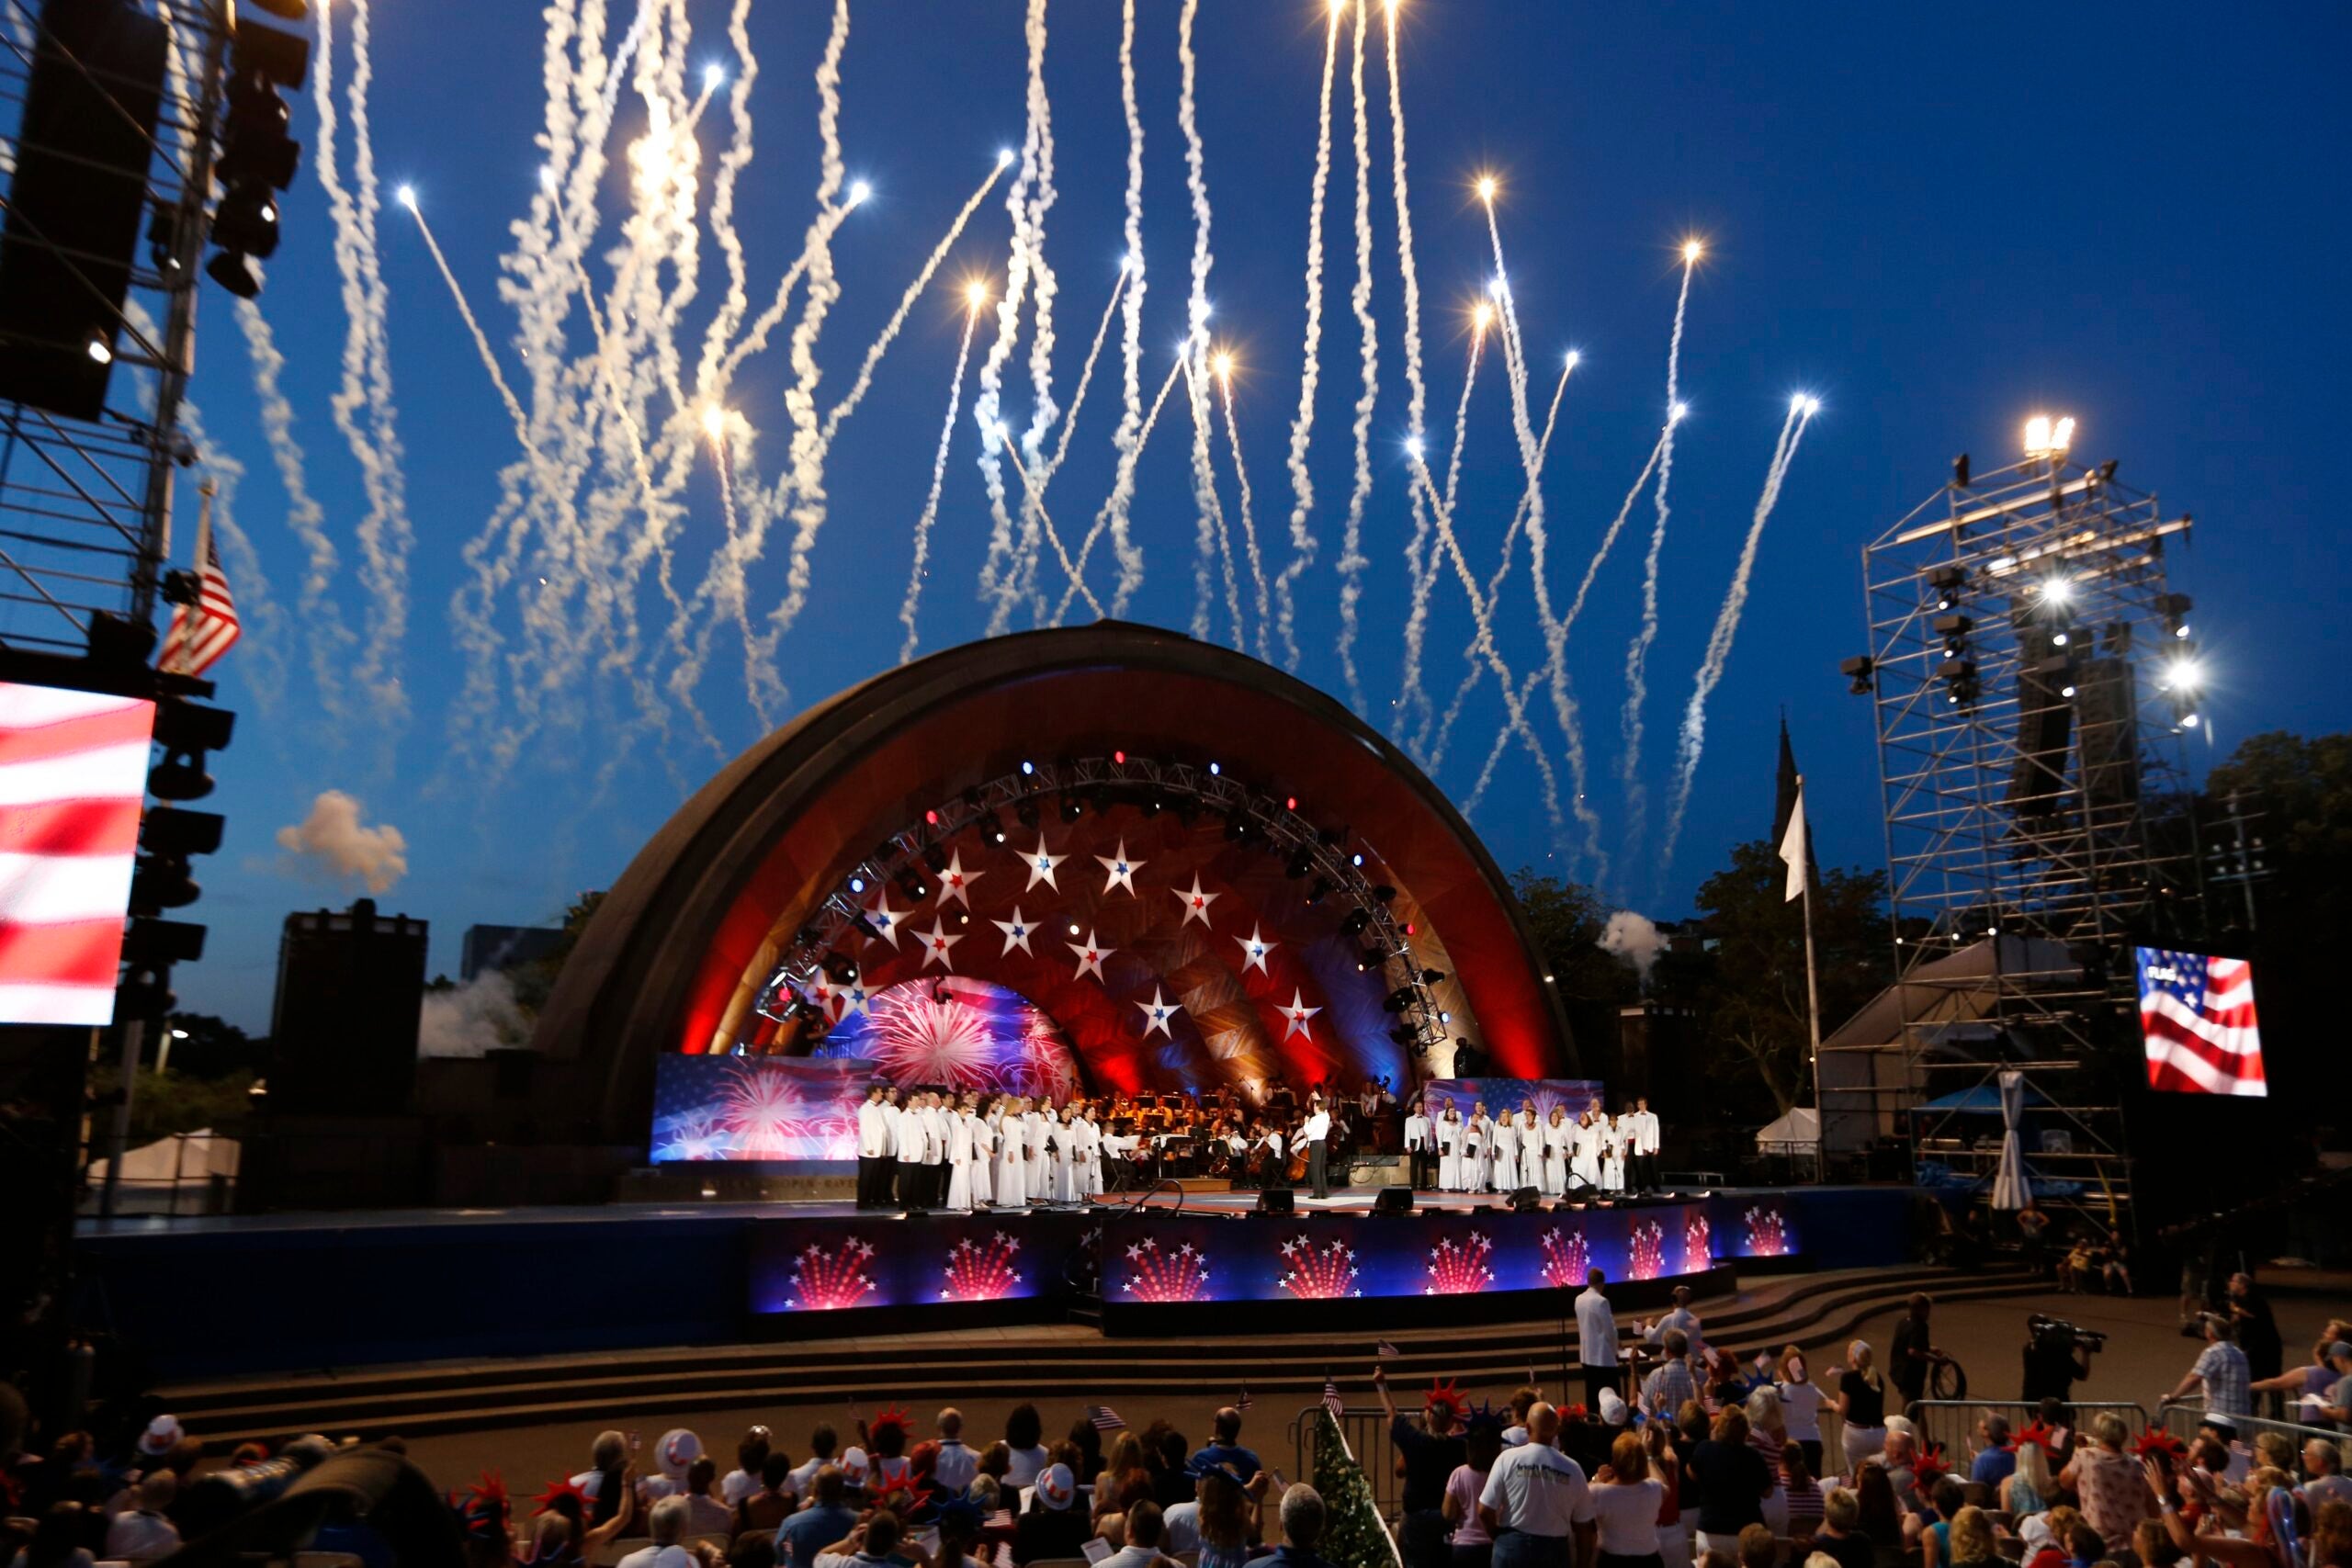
{"points": [[1481, 1153]]}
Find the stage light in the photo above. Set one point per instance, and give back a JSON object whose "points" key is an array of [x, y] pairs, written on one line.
{"points": [[1410, 929], [1445, 1018], [1858, 671], [1382, 893], [1432, 977], [2048, 437], [1073, 928], [857, 884], [1215, 770], [1369, 959], [98, 349], [1356, 858], [1551, 980], [1318, 889], [1290, 802], [1399, 999], [1301, 862], [1072, 809], [2057, 639], [1355, 922], [1120, 758], [2065, 691], [2182, 674], [1948, 580], [2189, 721], [2057, 591], [1027, 768]]}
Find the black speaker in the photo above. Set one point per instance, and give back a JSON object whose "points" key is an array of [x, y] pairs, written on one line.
{"points": [[76, 202], [1277, 1201], [1393, 1201], [1526, 1200]]}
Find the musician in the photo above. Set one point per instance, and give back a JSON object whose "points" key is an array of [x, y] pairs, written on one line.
{"points": [[1421, 1147], [1447, 1133], [1266, 1165], [1315, 1131]]}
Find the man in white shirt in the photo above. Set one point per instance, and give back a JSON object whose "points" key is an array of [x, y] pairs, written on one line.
{"points": [[144, 1534], [666, 1523], [956, 1464], [1421, 1148], [1597, 1339], [1682, 1318], [913, 1136], [873, 1148], [935, 1159], [1644, 1171], [1317, 1127], [1146, 1530], [1536, 1503]]}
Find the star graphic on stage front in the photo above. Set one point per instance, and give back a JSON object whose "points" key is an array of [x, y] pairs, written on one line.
{"points": [[1090, 955], [1016, 933], [1196, 903], [1298, 1012], [885, 919], [955, 883], [1254, 948], [1041, 866], [1156, 1014], [1119, 871], [935, 944]]}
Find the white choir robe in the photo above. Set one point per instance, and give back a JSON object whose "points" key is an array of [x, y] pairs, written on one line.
{"points": [[1037, 1169], [1613, 1158], [983, 1135], [1556, 1158], [1065, 1134], [1584, 1156], [959, 1164], [1012, 1176], [1506, 1142], [1475, 1135], [1094, 1152], [1448, 1133], [1417, 1132]]}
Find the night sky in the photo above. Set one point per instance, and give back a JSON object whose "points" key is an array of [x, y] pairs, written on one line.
{"points": [[1937, 225]]}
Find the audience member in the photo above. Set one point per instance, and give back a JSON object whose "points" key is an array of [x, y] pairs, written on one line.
{"points": [[142, 1533], [1472, 1545], [751, 1462], [2107, 1483], [828, 1518], [1051, 1527], [1732, 1483], [1840, 1537], [1302, 1517], [1225, 1448], [1023, 1431], [1625, 1502], [1800, 1402], [1536, 1502], [1862, 1406]]}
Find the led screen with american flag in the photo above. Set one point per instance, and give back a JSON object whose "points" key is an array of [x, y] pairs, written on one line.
{"points": [[73, 772], [2197, 1022]]}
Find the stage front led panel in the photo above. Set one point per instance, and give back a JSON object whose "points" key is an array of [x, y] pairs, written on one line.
{"points": [[2198, 1024]]}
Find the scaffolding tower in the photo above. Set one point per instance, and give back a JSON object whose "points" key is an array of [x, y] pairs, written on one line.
{"points": [[2032, 677]]}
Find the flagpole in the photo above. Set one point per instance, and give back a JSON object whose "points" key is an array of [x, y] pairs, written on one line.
{"points": [[1813, 1011]]}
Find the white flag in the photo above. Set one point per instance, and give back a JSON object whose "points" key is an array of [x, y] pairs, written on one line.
{"points": [[1793, 848]]}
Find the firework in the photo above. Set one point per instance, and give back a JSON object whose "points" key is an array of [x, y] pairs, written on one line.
{"points": [[1318, 1273], [1646, 1251], [764, 1118], [980, 1271], [1157, 1275], [1567, 1256], [827, 1281], [1768, 1233], [1460, 1268], [693, 1138]]}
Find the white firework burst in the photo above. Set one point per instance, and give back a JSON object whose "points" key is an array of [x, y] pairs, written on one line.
{"points": [[918, 1040]]}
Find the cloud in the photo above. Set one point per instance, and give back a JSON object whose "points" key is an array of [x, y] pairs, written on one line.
{"points": [[1633, 938], [471, 1019], [331, 841]]}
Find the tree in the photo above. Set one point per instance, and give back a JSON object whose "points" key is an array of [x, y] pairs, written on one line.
{"points": [[2301, 790], [203, 1046], [1751, 998], [1567, 919]]}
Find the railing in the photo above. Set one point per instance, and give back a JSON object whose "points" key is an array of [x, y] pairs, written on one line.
{"points": [[1364, 1429], [1953, 1422], [2181, 1421], [180, 1174]]}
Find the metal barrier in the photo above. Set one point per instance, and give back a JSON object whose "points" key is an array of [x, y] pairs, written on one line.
{"points": [[1953, 1422], [2181, 1421], [1364, 1429]]}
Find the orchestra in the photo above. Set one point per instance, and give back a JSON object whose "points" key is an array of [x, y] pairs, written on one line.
{"points": [[1004, 1151]]}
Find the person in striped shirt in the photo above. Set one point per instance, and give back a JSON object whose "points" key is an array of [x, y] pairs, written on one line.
{"points": [[1804, 1495], [1666, 1389]]}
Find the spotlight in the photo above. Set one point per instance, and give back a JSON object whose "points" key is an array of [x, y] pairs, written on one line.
{"points": [[1369, 959], [2057, 591], [1356, 858], [2175, 608], [1954, 630], [2048, 437], [1319, 888], [2189, 721], [1948, 580], [100, 351], [1432, 977], [1026, 808], [1959, 471], [1215, 770], [1382, 893], [1355, 922], [1399, 999], [1028, 768], [1301, 862], [857, 884], [1858, 671], [1071, 808], [2182, 674]]}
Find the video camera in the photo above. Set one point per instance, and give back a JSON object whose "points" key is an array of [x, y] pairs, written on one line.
{"points": [[2056, 1331]]}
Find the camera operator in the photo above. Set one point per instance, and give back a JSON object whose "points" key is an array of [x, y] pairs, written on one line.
{"points": [[2057, 1356]]}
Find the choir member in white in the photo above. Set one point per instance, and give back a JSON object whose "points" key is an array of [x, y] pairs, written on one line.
{"points": [[1615, 1138], [1448, 1132], [1013, 1149], [1505, 1144], [1420, 1146], [1583, 1152], [1557, 1134], [1478, 1149]]}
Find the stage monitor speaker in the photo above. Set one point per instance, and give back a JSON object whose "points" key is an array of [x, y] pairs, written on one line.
{"points": [[1277, 1201], [76, 202], [1526, 1200], [1393, 1201]]}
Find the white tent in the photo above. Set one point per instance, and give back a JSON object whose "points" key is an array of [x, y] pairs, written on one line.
{"points": [[1798, 1132]]}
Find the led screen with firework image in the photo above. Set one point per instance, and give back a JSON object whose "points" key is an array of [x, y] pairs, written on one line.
{"points": [[756, 1108], [956, 1034], [2196, 1022]]}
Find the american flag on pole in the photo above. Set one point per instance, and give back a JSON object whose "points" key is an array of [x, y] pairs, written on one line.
{"points": [[200, 633], [2196, 1019], [1331, 1400], [1105, 1419], [1242, 1402], [72, 773]]}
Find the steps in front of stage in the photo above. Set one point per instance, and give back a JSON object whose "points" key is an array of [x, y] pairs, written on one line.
{"points": [[1054, 1361]]}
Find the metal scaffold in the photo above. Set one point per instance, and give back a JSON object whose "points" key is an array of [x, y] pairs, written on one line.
{"points": [[2033, 679]]}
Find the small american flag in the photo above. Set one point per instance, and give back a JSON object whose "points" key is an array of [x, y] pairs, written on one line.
{"points": [[1331, 1400], [1384, 1349], [200, 633], [2197, 1021], [1105, 1419], [1242, 1403]]}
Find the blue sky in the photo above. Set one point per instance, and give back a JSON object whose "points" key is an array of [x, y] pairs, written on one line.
{"points": [[1937, 224]]}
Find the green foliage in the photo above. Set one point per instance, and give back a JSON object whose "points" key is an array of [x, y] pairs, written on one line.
{"points": [[2300, 793], [172, 1101], [1353, 1535]]}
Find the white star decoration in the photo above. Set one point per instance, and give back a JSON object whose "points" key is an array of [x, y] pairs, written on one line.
{"points": [[1016, 933], [886, 919], [935, 944], [1254, 948], [1156, 1014], [852, 998], [955, 883], [1090, 955], [1196, 903], [1041, 866], [1118, 871], [1298, 1012]]}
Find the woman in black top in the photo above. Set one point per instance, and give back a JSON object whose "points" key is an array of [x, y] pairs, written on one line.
{"points": [[1732, 1483], [1862, 1406]]}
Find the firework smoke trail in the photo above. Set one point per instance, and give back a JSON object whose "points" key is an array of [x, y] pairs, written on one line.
{"points": [[1034, 494], [465, 310], [736, 303], [1502, 571], [330, 639], [1353, 559], [1129, 441], [1000, 571], [1248, 527], [1711, 670], [1085, 378], [1043, 410], [1567, 621], [1481, 611], [1413, 698], [1211, 532], [1072, 570], [1638, 653], [938, 478], [1199, 402], [1102, 518], [1303, 543], [1424, 582], [384, 533]]}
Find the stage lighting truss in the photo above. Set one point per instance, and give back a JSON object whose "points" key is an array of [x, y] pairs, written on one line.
{"points": [[1351, 896], [2032, 681]]}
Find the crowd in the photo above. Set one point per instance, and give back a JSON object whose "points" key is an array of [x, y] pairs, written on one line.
{"points": [[1680, 1452]]}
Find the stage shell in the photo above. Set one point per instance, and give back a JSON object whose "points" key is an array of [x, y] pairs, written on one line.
{"points": [[685, 948]]}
